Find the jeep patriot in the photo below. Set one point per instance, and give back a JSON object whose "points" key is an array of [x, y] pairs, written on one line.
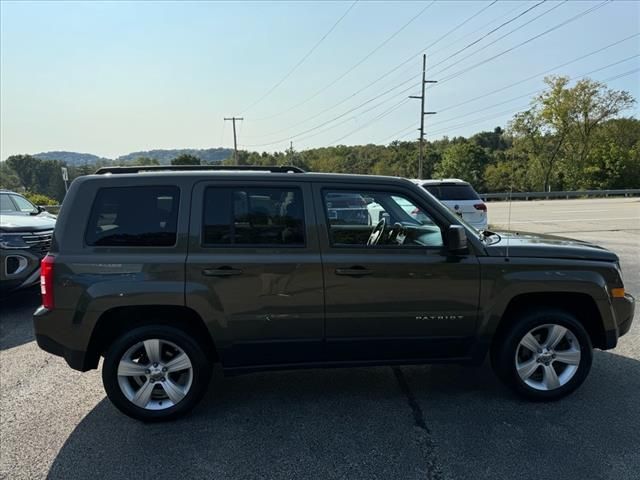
{"points": [[165, 270]]}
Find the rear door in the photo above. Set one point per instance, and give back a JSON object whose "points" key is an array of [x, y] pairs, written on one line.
{"points": [[254, 271]]}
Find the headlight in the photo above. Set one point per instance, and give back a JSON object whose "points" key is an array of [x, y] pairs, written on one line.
{"points": [[12, 241]]}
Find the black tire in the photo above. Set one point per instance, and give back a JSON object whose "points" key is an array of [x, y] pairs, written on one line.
{"points": [[505, 349], [200, 364]]}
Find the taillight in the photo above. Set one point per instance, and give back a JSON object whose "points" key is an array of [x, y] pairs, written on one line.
{"points": [[480, 206], [46, 281]]}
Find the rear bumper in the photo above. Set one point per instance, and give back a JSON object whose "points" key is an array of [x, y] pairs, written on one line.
{"points": [[74, 358], [57, 334]]}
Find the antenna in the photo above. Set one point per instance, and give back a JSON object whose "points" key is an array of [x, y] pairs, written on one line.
{"points": [[510, 196]]}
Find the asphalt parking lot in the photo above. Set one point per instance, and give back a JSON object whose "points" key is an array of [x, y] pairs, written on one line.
{"points": [[426, 422]]}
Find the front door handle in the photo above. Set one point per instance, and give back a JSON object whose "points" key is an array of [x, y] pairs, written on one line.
{"points": [[221, 272], [355, 271]]}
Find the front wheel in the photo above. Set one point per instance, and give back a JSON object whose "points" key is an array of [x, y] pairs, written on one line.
{"points": [[155, 373], [545, 355]]}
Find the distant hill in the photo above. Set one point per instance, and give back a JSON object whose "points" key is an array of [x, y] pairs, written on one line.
{"points": [[71, 158], [164, 157]]}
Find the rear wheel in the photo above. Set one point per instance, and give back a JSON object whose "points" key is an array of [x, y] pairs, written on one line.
{"points": [[155, 373], [545, 355]]}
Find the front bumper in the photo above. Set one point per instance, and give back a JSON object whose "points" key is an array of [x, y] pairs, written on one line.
{"points": [[624, 309], [27, 274]]}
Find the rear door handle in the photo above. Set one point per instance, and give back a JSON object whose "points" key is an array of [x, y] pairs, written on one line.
{"points": [[221, 272], [355, 271]]}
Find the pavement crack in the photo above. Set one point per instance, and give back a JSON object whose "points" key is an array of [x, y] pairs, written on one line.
{"points": [[434, 472], [418, 416]]}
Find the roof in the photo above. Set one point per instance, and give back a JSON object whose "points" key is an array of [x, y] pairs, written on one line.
{"points": [[244, 171]]}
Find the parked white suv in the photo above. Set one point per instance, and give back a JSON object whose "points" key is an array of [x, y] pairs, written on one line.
{"points": [[460, 197]]}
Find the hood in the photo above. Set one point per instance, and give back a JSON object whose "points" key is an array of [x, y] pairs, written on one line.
{"points": [[27, 223], [524, 244]]}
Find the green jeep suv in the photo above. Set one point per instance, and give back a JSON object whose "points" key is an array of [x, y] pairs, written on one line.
{"points": [[165, 270]]}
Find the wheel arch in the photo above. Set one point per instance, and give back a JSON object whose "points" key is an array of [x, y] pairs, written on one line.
{"points": [[118, 320], [580, 305]]}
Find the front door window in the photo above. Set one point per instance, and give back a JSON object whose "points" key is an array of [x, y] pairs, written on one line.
{"points": [[372, 219]]}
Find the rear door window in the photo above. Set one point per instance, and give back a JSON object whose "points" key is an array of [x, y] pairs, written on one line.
{"points": [[143, 216], [452, 192], [267, 216]]}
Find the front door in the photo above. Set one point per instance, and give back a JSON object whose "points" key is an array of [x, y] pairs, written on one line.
{"points": [[254, 271], [392, 290]]}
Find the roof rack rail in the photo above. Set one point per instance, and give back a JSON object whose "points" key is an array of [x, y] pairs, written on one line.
{"points": [[195, 168]]}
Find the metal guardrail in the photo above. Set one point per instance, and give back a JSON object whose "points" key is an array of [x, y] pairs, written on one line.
{"points": [[631, 192]]}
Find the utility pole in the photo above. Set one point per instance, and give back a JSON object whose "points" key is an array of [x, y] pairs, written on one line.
{"points": [[422, 113], [235, 139]]}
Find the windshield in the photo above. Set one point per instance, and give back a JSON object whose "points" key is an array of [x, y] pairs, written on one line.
{"points": [[24, 205]]}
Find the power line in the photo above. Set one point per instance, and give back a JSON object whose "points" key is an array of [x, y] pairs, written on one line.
{"points": [[494, 30], [350, 69], [484, 47], [480, 28], [609, 79], [525, 42], [350, 119], [555, 27], [397, 67], [582, 57], [478, 120], [370, 122], [302, 60], [538, 91], [339, 116]]}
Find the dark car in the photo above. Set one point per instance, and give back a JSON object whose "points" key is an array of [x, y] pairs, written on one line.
{"points": [[25, 237], [165, 270]]}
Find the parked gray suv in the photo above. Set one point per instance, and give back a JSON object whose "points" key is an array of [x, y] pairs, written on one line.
{"points": [[165, 270], [25, 237]]}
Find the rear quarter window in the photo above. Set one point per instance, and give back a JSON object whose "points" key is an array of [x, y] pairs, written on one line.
{"points": [[134, 217], [452, 192]]}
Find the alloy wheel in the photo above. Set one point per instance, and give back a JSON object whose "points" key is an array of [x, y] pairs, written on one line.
{"points": [[155, 374], [548, 357]]}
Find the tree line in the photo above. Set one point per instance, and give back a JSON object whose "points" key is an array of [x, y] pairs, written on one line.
{"points": [[570, 138]]}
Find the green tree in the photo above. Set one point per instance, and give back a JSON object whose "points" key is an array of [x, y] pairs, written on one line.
{"points": [[143, 161], [186, 159], [560, 128], [9, 179], [466, 161]]}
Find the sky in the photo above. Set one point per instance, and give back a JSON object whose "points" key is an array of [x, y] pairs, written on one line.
{"points": [[110, 78]]}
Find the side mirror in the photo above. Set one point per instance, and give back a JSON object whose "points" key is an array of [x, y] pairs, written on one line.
{"points": [[40, 209], [456, 239]]}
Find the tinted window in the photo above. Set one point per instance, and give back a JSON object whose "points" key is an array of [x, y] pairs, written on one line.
{"points": [[134, 216], [6, 205], [253, 216], [452, 192], [402, 222]]}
